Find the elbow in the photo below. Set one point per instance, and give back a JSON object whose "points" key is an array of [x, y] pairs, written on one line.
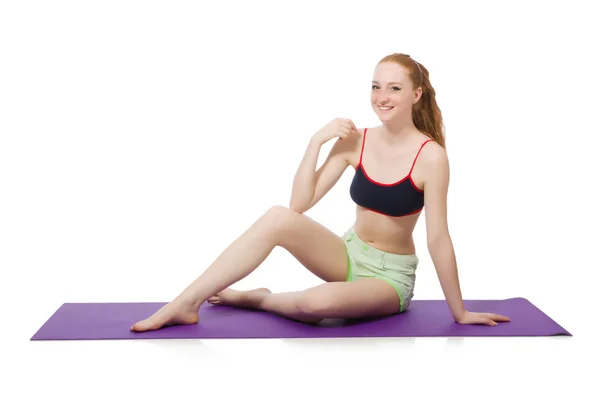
{"points": [[298, 207], [432, 242], [301, 205], [437, 240]]}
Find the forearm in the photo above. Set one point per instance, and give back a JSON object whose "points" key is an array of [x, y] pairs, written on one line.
{"points": [[444, 259], [303, 189]]}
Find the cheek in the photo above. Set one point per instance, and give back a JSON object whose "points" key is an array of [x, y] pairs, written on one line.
{"points": [[403, 100]]}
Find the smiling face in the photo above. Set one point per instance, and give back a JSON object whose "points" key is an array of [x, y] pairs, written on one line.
{"points": [[392, 92]]}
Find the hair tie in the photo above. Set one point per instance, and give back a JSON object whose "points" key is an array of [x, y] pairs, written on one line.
{"points": [[418, 66]]}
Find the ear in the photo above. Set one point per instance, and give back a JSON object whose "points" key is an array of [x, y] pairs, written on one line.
{"points": [[418, 94]]}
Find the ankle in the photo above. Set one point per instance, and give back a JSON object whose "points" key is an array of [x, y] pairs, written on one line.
{"points": [[187, 301], [259, 302]]}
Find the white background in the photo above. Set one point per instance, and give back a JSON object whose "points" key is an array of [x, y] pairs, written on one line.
{"points": [[140, 138]]}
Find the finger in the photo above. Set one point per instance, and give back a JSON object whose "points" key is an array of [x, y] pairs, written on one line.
{"points": [[496, 317], [353, 126], [347, 129], [482, 318], [350, 125]]}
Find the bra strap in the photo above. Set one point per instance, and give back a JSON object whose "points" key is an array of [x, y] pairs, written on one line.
{"points": [[417, 156]]}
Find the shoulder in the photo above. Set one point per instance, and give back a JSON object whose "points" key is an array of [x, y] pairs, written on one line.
{"points": [[434, 153], [436, 163]]}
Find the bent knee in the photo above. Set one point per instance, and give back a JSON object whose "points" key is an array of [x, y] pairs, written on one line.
{"points": [[280, 218], [313, 304], [279, 211]]}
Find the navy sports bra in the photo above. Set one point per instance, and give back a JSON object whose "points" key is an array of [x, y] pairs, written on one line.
{"points": [[394, 199]]}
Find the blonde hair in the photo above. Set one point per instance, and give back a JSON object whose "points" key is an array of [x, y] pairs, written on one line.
{"points": [[426, 113]]}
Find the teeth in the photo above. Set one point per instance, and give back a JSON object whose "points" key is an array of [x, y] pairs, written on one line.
{"points": [[385, 108]]}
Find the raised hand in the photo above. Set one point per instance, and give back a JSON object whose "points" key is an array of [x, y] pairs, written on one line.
{"points": [[338, 127]]}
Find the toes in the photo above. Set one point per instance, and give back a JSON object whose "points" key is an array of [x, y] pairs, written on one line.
{"points": [[141, 326], [135, 327]]}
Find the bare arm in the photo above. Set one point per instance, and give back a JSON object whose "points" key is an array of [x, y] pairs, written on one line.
{"points": [[310, 186], [440, 244]]}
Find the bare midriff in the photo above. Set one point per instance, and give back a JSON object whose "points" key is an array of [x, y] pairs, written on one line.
{"points": [[386, 233]]}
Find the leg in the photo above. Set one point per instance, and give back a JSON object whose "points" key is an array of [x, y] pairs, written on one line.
{"points": [[321, 251], [369, 297]]}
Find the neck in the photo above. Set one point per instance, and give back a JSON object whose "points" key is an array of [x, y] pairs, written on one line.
{"points": [[398, 132]]}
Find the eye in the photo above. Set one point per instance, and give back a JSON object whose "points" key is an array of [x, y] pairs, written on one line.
{"points": [[396, 88], [373, 87]]}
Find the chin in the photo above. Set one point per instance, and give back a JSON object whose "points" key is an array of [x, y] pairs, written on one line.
{"points": [[385, 117]]}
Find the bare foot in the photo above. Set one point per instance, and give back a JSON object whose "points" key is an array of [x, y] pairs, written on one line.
{"points": [[247, 299], [173, 313]]}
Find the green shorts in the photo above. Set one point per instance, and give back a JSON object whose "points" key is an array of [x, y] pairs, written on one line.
{"points": [[365, 261]]}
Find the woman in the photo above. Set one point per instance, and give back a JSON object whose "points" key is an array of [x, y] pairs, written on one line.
{"points": [[400, 167]]}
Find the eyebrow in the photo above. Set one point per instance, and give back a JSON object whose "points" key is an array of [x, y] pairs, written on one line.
{"points": [[393, 82]]}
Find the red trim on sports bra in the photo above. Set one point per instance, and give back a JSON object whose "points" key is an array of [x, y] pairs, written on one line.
{"points": [[417, 156], [362, 149], [394, 216], [408, 176]]}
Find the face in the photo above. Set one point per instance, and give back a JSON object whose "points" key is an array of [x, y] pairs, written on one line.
{"points": [[392, 93]]}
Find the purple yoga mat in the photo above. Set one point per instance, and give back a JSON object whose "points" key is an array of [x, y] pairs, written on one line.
{"points": [[93, 321]]}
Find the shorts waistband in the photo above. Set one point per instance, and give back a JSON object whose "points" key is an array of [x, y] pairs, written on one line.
{"points": [[351, 238]]}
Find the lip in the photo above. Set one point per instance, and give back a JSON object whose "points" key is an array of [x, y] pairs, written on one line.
{"points": [[385, 110]]}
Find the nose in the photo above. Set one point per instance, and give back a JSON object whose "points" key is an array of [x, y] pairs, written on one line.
{"points": [[382, 98]]}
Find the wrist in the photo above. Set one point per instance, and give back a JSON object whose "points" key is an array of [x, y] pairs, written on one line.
{"points": [[315, 142], [458, 318]]}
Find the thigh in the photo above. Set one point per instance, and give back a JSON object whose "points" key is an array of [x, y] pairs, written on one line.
{"points": [[317, 248], [369, 297]]}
